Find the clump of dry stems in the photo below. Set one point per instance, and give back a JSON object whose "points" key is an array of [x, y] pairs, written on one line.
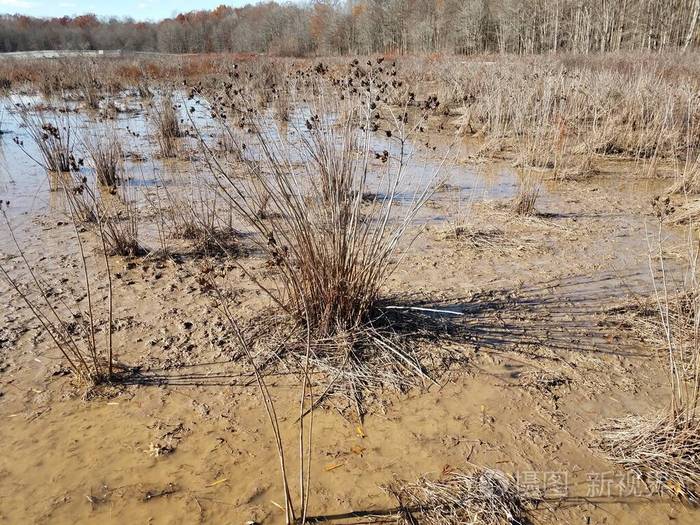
{"points": [[526, 199], [688, 177], [81, 200], [112, 213], [106, 155], [205, 220], [143, 90], [664, 449], [331, 250], [194, 212], [121, 226], [53, 141], [88, 84], [74, 332], [483, 496], [166, 126]]}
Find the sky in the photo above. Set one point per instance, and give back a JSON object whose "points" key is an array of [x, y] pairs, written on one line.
{"points": [[137, 9]]}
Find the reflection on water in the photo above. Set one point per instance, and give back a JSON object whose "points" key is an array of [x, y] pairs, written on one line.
{"points": [[26, 185]]}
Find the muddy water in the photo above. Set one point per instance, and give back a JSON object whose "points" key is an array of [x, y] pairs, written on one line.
{"points": [[24, 182], [187, 441], [150, 179]]}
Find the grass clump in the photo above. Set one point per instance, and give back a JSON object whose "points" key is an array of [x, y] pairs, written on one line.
{"points": [[110, 213], [332, 252], [663, 449], [166, 126], [484, 496], [106, 157], [53, 140], [526, 199], [330, 249], [120, 226], [201, 221]]}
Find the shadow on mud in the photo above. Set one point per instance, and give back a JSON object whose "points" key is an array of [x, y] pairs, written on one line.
{"points": [[544, 321]]}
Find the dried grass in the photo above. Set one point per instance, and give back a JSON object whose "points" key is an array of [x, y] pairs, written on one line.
{"points": [[550, 111], [120, 224], [54, 141], [664, 450], [525, 201], [106, 155], [88, 84], [113, 215], [483, 496], [74, 331], [330, 249], [166, 124], [688, 177]]}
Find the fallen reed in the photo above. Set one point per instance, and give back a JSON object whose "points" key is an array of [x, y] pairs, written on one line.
{"points": [[661, 450]]}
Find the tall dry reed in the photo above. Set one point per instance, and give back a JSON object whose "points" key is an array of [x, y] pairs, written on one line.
{"points": [[166, 126], [90, 360], [664, 449], [53, 140]]}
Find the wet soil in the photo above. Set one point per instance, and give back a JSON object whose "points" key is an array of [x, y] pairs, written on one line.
{"points": [[540, 361]]}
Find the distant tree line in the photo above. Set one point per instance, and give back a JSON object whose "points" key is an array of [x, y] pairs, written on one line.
{"points": [[378, 26]]}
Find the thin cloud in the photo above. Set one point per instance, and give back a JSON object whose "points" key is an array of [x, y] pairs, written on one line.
{"points": [[20, 4]]}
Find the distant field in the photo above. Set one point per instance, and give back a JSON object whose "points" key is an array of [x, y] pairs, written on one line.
{"points": [[70, 53]]}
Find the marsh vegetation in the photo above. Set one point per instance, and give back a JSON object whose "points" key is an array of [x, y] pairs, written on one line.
{"points": [[390, 268]]}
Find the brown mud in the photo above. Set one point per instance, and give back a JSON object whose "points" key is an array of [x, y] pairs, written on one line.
{"points": [[539, 362]]}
